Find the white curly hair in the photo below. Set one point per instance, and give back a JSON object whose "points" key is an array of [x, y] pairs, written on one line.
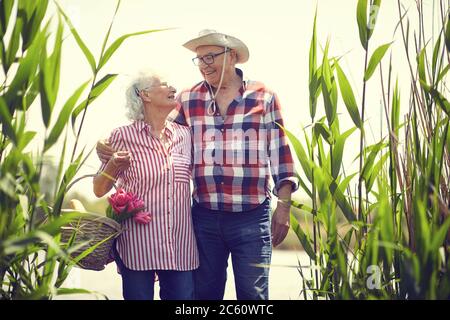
{"points": [[134, 104]]}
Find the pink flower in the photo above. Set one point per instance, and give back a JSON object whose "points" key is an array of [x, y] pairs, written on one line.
{"points": [[124, 205], [142, 217], [135, 205], [120, 200]]}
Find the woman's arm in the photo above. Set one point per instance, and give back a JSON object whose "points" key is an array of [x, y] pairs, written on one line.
{"points": [[103, 182]]}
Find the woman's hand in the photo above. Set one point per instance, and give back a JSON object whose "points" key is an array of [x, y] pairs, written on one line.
{"points": [[120, 160], [104, 150]]}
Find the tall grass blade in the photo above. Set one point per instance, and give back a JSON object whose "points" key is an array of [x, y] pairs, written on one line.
{"points": [[375, 59]]}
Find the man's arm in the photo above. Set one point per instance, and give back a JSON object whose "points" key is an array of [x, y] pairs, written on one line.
{"points": [[178, 114], [282, 169]]}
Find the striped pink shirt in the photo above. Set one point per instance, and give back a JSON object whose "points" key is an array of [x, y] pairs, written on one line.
{"points": [[162, 180]]}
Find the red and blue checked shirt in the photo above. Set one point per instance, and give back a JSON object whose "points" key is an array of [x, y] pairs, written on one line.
{"points": [[161, 178], [235, 155]]}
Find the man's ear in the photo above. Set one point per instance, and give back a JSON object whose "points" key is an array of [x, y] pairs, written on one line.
{"points": [[233, 55]]}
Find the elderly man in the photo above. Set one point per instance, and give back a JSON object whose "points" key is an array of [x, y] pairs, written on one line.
{"points": [[237, 146]]}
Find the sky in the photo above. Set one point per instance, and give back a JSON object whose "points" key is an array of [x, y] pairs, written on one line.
{"points": [[277, 33]]}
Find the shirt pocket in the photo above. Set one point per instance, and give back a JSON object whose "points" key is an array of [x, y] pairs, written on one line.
{"points": [[181, 167]]}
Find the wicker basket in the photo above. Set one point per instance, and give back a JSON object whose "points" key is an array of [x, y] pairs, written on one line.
{"points": [[93, 228]]}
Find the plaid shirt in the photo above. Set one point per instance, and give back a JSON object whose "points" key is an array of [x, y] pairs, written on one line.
{"points": [[234, 156]]}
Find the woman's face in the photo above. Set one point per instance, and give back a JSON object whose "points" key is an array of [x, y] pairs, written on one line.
{"points": [[161, 95]]}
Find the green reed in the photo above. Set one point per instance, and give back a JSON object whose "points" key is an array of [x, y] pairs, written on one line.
{"points": [[30, 225], [394, 241]]}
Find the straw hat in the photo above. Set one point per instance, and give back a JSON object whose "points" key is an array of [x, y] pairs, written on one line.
{"points": [[213, 38]]}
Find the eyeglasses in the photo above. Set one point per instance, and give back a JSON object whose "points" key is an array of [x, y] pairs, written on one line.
{"points": [[208, 58], [162, 84]]}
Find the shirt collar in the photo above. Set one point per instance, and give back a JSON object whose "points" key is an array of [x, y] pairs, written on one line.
{"points": [[142, 125]]}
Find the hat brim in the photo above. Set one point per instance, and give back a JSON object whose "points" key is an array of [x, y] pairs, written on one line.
{"points": [[221, 40]]}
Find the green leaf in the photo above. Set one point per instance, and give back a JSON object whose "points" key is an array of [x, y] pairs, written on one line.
{"points": [[98, 88], [342, 202], [367, 168], [105, 41], [441, 101], [35, 13], [116, 44], [447, 35], [304, 240], [87, 53], [63, 117], [321, 129], [303, 207], [26, 72], [60, 167], [395, 112], [63, 291], [13, 47], [442, 74], [328, 88], [50, 75], [32, 93], [361, 17], [348, 97], [6, 121], [375, 172], [17, 244], [438, 238], [312, 71], [70, 172], [375, 60], [338, 151], [437, 47], [421, 66], [300, 152], [25, 139], [344, 184], [5, 13]]}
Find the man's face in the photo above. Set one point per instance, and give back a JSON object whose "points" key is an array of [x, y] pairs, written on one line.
{"points": [[211, 72]]}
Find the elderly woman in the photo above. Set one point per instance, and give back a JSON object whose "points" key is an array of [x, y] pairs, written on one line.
{"points": [[156, 168]]}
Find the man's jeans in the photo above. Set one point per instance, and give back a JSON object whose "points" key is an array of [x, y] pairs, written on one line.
{"points": [[247, 236], [139, 285]]}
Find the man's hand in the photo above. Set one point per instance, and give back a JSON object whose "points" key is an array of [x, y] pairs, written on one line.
{"points": [[280, 223], [104, 150]]}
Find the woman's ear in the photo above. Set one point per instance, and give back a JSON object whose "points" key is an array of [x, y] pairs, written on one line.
{"points": [[145, 96]]}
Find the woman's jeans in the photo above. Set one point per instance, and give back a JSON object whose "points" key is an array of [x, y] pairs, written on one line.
{"points": [[139, 285], [247, 237]]}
